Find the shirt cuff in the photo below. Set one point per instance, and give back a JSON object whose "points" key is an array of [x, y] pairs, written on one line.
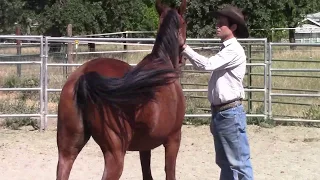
{"points": [[189, 52], [187, 49]]}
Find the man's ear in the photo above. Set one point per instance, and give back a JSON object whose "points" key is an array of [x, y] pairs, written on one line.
{"points": [[233, 27]]}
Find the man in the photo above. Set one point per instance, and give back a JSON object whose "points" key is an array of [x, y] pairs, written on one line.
{"points": [[225, 93]]}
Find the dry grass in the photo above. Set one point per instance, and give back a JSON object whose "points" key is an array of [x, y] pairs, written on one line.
{"points": [[197, 102], [24, 50]]}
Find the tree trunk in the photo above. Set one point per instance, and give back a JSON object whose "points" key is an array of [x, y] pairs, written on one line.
{"points": [[70, 57], [292, 38]]}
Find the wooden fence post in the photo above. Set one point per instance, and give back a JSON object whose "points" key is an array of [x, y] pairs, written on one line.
{"points": [[69, 51], [18, 32]]}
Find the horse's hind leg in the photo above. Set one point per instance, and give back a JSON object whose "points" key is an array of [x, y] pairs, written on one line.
{"points": [[71, 138], [114, 162], [145, 157], [171, 152]]}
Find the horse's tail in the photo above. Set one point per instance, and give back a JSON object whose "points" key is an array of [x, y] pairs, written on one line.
{"points": [[134, 88]]}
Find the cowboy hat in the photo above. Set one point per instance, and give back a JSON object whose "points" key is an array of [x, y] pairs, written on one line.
{"points": [[236, 16]]}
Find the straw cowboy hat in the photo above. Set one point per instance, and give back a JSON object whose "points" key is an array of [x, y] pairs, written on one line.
{"points": [[236, 16]]}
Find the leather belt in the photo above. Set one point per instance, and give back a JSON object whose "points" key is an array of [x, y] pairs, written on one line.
{"points": [[225, 106]]}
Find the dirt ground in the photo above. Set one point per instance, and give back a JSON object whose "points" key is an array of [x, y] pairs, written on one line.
{"points": [[280, 153]]}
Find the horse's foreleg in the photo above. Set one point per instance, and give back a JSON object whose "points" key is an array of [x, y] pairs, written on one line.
{"points": [[171, 152], [71, 138], [114, 162], [145, 157]]}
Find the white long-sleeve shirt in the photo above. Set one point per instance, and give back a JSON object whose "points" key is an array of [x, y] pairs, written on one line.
{"points": [[228, 69]]}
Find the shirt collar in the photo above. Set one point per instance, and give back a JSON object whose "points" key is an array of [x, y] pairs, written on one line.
{"points": [[229, 41]]}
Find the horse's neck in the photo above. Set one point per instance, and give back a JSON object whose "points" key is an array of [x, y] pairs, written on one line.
{"points": [[152, 60], [147, 60], [157, 51]]}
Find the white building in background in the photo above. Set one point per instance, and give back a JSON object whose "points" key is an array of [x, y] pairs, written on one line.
{"points": [[309, 30]]}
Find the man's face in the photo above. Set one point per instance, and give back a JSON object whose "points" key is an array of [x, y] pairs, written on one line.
{"points": [[223, 29]]}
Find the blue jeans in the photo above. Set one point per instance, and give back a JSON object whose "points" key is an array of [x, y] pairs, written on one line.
{"points": [[228, 128]]}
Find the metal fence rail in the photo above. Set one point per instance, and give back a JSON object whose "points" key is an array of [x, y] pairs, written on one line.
{"points": [[79, 40], [265, 62], [42, 74], [272, 94]]}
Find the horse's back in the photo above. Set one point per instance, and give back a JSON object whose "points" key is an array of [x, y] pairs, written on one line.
{"points": [[108, 67], [105, 66]]}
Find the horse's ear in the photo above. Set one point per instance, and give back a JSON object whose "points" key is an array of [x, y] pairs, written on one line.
{"points": [[183, 7], [159, 7]]}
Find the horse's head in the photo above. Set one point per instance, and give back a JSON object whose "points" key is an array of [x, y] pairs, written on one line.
{"points": [[162, 10]]}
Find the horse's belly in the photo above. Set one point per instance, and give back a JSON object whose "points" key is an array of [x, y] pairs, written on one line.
{"points": [[141, 142]]}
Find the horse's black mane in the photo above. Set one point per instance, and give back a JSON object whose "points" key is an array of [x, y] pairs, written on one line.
{"points": [[167, 44]]}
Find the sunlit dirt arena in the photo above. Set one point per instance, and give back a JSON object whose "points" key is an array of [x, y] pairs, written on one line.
{"points": [[277, 153]]}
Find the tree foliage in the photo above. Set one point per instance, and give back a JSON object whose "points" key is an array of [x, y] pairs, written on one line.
{"points": [[9, 14], [261, 15], [125, 15], [85, 17], [51, 17], [295, 10], [199, 18]]}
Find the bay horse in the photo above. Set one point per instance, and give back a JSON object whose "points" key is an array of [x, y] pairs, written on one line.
{"points": [[126, 108]]}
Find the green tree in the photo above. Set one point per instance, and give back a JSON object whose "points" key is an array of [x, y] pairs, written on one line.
{"points": [[124, 15], [150, 19], [101, 16], [294, 12], [267, 14], [199, 18], [85, 17], [260, 14], [10, 13], [37, 6], [94, 16]]}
